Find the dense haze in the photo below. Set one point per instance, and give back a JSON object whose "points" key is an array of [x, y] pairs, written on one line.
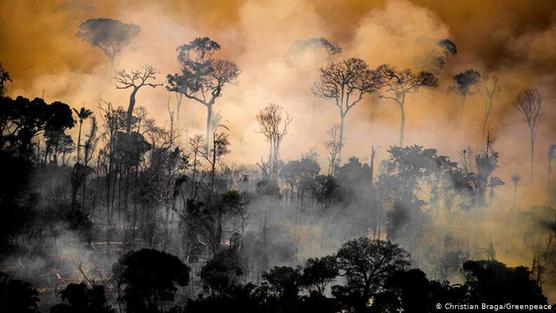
{"points": [[512, 40]]}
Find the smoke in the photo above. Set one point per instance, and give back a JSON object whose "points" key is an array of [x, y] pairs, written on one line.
{"points": [[513, 41]]}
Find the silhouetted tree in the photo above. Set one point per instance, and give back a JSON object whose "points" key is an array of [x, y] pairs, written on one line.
{"points": [[135, 80], [222, 272], [463, 83], [285, 281], [149, 279], [366, 265], [57, 144], [327, 191], [409, 170], [492, 282], [345, 82], [219, 146], [488, 85], [319, 272], [273, 123], [408, 291], [22, 119], [486, 162], [4, 77], [529, 104], [83, 299], [202, 76], [82, 115], [110, 35], [544, 258], [398, 84], [332, 146], [300, 174]]}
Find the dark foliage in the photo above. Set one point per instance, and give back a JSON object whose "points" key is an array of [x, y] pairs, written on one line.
{"points": [[147, 285], [80, 298], [494, 282], [17, 296]]}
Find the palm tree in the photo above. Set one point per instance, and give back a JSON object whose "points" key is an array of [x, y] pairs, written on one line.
{"points": [[82, 114]]}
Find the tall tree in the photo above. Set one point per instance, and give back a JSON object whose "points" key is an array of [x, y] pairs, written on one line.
{"points": [[462, 85], [82, 115], [398, 84], [135, 80], [529, 104], [4, 77], [332, 146], [486, 162], [110, 35], [488, 85], [274, 123], [345, 82], [220, 145], [202, 76]]}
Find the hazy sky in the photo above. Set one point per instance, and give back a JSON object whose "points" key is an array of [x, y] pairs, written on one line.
{"points": [[511, 39]]}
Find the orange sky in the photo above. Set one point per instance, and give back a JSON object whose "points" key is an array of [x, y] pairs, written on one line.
{"points": [[512, 39]]}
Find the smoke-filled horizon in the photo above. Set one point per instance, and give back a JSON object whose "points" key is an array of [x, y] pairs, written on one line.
{"points": [[509, 43], [48, 59]]}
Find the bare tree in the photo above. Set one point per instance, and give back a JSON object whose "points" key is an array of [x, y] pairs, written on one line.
{"points": [[196, 145], [543, 260], [202, 76], [488, 86], [274, 123], [135, 80], [110, 35], [346, 82], [220, 144], [529, 104], [398, 84]]}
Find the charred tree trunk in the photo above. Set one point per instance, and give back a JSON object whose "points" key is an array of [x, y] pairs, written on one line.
{"points": [[130, 109], [208, 127]]}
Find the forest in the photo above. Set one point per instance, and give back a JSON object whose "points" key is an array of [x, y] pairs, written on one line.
{"points": [[269, 168]]}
